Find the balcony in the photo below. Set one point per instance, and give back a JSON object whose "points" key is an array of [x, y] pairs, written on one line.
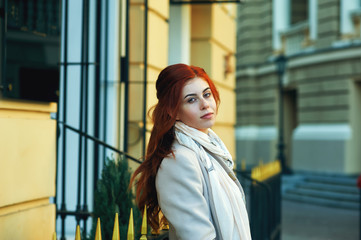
{"points": [[296, 39]]}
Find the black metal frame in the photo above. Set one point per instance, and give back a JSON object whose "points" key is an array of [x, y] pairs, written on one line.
{"points": [[98, 141], [281, 62], [97, 92], [359, 188], [145, 74], [63, 203], [3, 13], [124, 66], [265, 205], [105, 96], [82, 213]]}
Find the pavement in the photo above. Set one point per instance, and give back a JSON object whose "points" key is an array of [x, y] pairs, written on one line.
{"points": [[304, 221]]}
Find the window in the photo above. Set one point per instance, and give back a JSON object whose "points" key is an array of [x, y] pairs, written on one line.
{"points": [[31, 50], [295, 25], [299, 11], [350, 19]]}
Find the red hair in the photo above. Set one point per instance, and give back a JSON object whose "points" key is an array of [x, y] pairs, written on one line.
{"points": [[169, 85]]}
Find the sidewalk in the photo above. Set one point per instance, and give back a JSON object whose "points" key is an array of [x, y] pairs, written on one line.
{"points": [[302, 221]]}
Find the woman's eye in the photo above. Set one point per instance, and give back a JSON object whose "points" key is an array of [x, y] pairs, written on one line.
{"points": [[191, 100], [208, 94]]}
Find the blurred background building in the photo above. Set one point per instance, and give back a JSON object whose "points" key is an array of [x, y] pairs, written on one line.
{"points": [[314, 102], [77, 80]]}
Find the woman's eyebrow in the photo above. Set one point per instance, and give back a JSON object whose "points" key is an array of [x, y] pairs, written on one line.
{"points": [[207, 88], [193, 94]]}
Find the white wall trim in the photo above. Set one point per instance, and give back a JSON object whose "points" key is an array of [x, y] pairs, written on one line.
{"points": [[280, 21], [256, 133], [325, 57], [327, 132], [313, 19], [179, 34], [301, 61]]}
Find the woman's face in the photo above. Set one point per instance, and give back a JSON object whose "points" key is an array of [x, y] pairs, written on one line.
{"points": [[198, 108]]}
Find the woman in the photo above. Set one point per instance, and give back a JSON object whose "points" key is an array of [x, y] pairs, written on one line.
{"points": [[187, 172]]}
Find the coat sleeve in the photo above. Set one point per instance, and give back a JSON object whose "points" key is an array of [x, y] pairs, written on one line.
{"points": [[179, 187]]}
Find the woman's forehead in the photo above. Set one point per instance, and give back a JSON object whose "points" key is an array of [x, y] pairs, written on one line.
{"points": [[195, 83]]}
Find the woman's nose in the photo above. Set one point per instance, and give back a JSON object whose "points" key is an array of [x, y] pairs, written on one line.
{"points": [[204, 103]]}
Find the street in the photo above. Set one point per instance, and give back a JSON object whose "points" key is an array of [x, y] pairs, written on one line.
{"points": [[302, 221]]}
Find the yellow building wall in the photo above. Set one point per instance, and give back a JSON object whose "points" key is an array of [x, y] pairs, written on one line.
{"points": [[27, 173], [157, 59], [213, 46]]}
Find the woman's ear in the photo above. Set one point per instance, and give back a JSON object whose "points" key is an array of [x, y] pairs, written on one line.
{"points": [[177, 118], [171, 114]]}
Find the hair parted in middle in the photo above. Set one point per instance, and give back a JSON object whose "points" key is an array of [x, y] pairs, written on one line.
{"points": [[169, 86]]}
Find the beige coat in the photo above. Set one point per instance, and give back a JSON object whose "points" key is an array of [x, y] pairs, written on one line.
{"points": [[182, 196]]}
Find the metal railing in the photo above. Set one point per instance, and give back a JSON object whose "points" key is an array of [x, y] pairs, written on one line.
{"points": [[359, 187], [296, 38], [82, 213], [130, 232], [87, 159], [263, 201], [116, 232]]}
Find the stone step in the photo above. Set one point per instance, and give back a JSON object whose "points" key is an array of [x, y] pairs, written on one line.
{"points": [[322, 202], [346, 197], [334, 180], [337, 191], [328, 187]]}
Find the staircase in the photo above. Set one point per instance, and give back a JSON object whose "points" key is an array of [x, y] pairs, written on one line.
{"points": [[336, 191]]}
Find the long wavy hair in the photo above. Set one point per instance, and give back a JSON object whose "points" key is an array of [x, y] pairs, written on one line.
{"points": [[169, 85]]}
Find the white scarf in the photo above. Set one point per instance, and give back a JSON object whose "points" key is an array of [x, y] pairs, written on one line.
{"points": [[226, 191]]}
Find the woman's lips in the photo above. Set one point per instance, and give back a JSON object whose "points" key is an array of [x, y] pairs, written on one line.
{"points": [[207, 116]]}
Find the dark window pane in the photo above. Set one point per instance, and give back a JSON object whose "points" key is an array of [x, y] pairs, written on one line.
{"points": [[32, 50], [299, 11]]}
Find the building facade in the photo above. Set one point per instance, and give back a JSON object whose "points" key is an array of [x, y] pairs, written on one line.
{"points": [[78, 91], [29, 57], [321, 86]]}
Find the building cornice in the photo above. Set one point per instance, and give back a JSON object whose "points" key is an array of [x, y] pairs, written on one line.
{"points": [[303, 59]]}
